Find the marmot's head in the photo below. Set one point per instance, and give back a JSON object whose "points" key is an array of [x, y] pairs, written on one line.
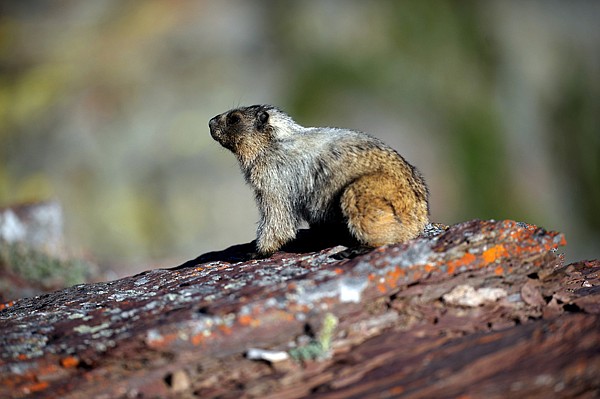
{"points": [[247, 131]]}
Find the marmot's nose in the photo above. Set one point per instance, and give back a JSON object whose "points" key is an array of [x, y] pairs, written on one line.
{"points": [[213, 121]]}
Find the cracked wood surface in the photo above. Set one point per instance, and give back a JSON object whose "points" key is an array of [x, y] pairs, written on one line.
{"points": [[483, 308]]}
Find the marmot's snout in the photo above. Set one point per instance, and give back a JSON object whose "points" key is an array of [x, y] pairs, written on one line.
{"points": [[213, 125]]}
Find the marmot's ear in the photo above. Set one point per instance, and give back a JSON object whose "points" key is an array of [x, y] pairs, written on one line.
{"points": [[263, 119]]}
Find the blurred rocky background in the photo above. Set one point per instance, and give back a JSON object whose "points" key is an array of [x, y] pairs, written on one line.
{"points": [[104, 108], [34, 257]]}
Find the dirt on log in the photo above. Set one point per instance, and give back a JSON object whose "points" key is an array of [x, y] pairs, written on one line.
{"points": [[480, 309]]}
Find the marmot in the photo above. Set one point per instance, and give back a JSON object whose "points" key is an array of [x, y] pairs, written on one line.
{"points": [[324, 176]]}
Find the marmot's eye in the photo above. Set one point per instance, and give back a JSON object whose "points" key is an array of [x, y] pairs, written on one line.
{"points": [[233, 118], [263, 117]]}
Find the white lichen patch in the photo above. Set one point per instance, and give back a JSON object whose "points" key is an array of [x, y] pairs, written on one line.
{"points": [[420, 253], [141, 281], [153, 336], [351, 289], [267, 355], [85, 329], [125, 295], [466, 295], [308, 293]]}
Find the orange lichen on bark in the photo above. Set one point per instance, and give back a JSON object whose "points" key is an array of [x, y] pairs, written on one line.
{"points": [[163, 341], [464, 260], [451, 268], [18, 380], [225, 329], [38, 386], [247, 320], [494, 253], [197, 339], [563, 241], [69, 362], [393, 276]]}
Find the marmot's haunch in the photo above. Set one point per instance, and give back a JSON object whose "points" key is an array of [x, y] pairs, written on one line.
{"points": [[324, 176]]}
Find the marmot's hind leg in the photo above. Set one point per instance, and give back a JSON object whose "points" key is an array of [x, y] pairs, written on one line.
{"points": [[381, 210]]}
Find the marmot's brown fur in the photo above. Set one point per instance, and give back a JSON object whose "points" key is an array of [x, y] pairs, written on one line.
{"points": [[324, 176]]}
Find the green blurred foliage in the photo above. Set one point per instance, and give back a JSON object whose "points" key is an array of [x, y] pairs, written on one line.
{"points": [[459, 88], [576, 140], [41, 269]]}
